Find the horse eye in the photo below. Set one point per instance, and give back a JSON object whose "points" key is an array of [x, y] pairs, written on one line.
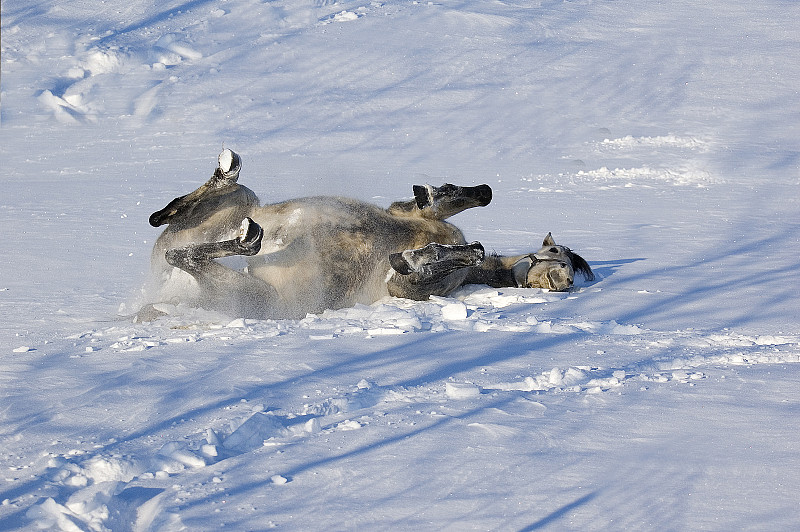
{"points": [[553, 250]]}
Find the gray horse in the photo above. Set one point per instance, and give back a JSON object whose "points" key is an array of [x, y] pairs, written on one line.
{"points": [[311, 254]]}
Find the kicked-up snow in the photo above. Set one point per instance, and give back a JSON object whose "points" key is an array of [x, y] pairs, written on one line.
{"points": [[659, 141]]}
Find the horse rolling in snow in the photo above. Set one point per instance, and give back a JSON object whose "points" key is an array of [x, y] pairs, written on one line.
{"points": [[311, 254]]}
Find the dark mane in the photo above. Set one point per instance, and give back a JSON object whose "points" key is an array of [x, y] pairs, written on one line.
{"points": [[579, 264]]}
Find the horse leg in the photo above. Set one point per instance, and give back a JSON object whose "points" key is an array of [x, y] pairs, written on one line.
{"points": [[440, 203], [436, 269], [220, 192], [193, 258], [223, 288]]}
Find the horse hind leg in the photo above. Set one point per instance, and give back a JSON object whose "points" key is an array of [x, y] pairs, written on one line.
{"points": [[221, 191], [436, 269], [440, 203]]}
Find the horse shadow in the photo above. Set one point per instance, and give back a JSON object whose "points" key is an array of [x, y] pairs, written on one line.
{"points": [[606, 268]]}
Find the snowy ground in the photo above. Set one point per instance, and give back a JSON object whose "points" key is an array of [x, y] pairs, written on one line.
{"points": [[659, 140]]}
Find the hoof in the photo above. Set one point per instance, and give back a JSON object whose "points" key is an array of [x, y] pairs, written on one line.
{"points": [[228, 166], [423, 195], [427, 195], [477, 248], [483, 194], [400, 264], [249, 238]]}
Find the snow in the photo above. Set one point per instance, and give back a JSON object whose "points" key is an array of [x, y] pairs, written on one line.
{"points": [[657, 140]]}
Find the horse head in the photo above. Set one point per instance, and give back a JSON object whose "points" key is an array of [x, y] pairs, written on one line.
{"points": [[552, 267]]}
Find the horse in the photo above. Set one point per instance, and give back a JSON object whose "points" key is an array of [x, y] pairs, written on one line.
{"points": [[310, 254]]}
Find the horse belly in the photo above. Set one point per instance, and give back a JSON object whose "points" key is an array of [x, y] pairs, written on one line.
{"points": [[308, 287], [330, 253]]}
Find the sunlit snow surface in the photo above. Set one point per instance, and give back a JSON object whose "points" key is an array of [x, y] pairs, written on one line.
{"points": [[659, 141]]}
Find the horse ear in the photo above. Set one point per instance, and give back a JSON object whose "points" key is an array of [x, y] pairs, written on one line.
{"points": [[548, 240]]}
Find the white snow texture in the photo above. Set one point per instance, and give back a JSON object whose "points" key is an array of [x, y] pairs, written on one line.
{"points": [[659, 140]]}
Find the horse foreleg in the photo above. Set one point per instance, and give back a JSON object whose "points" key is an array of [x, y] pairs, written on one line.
{"points": [[223, 288], [440, 203], [435, 269]]}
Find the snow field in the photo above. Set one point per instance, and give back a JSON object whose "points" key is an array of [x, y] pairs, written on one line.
{"points": [[656, 140], [98, 478]]}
